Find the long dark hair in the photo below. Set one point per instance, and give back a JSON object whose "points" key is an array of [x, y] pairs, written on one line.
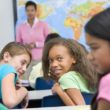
{"points": [[82, 65], [99, 27]]}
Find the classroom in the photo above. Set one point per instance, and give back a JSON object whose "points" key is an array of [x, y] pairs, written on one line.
{"points": [[54, 54]]}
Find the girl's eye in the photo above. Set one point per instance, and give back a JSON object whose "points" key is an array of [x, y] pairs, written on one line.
{"points": [[59, 58], [93, 48], [23, 62]]}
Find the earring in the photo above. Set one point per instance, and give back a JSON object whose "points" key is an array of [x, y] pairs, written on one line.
{"points": [[49, 74]]}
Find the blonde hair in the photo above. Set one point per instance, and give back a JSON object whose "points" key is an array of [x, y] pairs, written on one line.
{"points": [[14, 49]]}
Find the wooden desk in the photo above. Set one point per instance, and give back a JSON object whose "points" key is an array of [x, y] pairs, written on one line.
{"points": [[84, 107], [38, 94]]}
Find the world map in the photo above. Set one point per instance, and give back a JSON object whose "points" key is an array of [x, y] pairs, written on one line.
{"points": [[66, 17]]}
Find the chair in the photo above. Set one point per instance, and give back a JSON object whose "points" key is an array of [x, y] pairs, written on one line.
{"points": [[42, 84], [54, 100], [88, 97]]}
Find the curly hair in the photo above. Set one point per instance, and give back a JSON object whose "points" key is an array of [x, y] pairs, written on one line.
{"points": [[82, 65]]}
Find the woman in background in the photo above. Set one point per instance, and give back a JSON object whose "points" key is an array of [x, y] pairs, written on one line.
{"points": [[32, 33]]}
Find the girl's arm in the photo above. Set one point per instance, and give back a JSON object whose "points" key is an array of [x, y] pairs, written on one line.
{"points": [[62, 94], [10, 96], [103, 105], [75, 96]]}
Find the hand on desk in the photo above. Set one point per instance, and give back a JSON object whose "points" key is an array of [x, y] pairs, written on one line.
{"points": [[18, 84], [24, 102]]}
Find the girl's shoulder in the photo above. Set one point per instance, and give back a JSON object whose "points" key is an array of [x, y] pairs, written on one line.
{"points": [[71, 75], [73, 79], [6, 69], [104, 88], [2, 107], [105, 79], [74, 76], [7, 66]]}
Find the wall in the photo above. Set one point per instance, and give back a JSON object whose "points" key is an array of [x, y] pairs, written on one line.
{"points": [[6, 22]]}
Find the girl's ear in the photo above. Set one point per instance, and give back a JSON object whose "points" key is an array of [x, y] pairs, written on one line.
{"points": [[73, 60], [6, 56]]}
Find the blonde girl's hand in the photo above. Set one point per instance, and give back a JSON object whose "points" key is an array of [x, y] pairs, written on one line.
{"points": [[31, 45], [56, 88], [18, 84], [25, 102]]}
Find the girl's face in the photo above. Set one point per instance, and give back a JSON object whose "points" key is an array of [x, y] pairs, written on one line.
{"points": [[31, 12], [60, 60], [100, 53], [19, 62]]}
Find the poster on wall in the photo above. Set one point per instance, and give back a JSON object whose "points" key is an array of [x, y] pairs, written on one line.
{"points": [[66, 17]]}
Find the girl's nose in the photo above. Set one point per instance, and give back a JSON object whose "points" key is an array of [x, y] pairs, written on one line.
{"points": [[54, 64], [24, 68]]}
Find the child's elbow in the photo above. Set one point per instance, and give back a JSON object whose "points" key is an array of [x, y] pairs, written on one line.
{"points": [[9, 103]]}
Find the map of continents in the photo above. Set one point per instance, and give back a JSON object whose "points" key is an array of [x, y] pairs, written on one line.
{"points": [[67, 17]]}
